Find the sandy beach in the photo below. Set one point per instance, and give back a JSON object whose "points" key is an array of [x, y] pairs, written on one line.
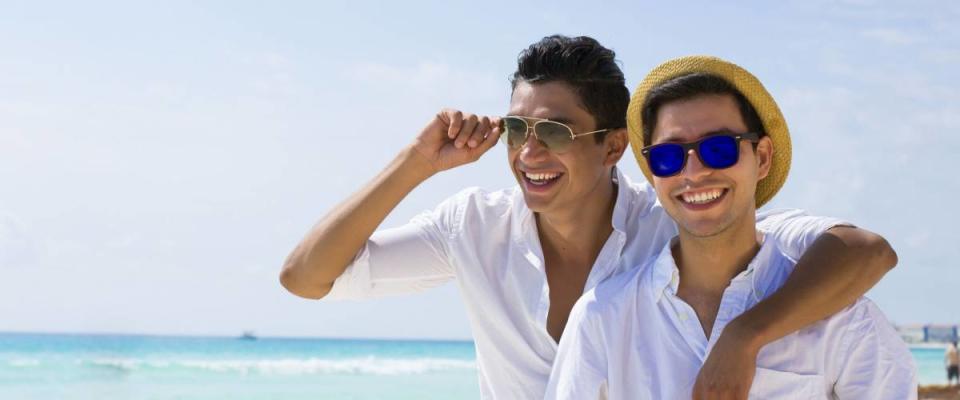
{"points": [[940, 392]]}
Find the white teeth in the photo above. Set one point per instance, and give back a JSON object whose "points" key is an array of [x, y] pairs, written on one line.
{"points": [[542, 176], [702, 197]]}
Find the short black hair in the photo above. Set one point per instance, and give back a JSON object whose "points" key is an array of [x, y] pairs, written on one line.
{"points": [[688, 86], [588, 67]]}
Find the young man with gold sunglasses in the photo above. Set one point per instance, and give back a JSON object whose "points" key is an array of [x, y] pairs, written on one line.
{"points": [[523, 256]]}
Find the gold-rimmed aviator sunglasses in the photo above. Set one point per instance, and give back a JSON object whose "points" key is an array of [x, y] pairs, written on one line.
{"points": [[554, 135]]}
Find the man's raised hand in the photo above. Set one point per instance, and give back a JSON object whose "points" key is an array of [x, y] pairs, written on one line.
{"points": [[453, 138], [728, 372]]}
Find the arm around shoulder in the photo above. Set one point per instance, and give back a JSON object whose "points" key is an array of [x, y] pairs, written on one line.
{"points": [[873, 250], [839, 267]]}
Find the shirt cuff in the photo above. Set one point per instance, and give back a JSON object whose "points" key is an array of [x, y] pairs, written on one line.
{"points": [[354, 283]]}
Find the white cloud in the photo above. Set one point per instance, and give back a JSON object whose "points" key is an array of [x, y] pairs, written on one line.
{"points": [[431, 79], [271, 73], [16, 141], [890, 36], [17, 247], [918, 240]]}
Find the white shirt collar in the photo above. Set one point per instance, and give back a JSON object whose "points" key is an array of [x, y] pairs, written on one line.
{"points": [[524, 222], [623, 206], [666, 274]]}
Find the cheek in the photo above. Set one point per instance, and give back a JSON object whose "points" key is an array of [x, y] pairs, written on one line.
{"points": [[578, 165], [746, 179], [663, 187], [586, 160], [512, 156]]}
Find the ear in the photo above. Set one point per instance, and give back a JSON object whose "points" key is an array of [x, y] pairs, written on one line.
{"points": [[615, 144], [764, 154]]}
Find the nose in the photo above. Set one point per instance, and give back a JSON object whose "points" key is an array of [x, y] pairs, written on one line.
{"points": [[533, 150], [695, 170]]}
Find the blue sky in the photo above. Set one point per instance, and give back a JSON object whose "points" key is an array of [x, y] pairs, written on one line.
{"points": [[160, 159]]}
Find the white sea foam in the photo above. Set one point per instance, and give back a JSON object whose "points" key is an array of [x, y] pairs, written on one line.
{"points": [[23, 363], [292, 366], [123, 364]]}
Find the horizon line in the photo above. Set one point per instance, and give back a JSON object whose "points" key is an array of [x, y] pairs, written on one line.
{"points": [[223, 336]]}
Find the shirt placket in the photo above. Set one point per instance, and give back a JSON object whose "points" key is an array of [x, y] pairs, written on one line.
{"points": [[533, 253], [685, 318], [601, 269], [606, 262], [731, 305]]}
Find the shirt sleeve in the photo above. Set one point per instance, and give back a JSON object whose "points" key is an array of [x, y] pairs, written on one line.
{"points": [[795, 230], [874, 361], [407, 259], [580, 368]]}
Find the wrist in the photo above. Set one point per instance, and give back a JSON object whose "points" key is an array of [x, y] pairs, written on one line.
{"points": [[414, 164], [748, 336]]}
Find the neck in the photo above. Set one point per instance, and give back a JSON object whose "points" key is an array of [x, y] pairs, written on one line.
{"points": [[580, 231], [708, 264]]}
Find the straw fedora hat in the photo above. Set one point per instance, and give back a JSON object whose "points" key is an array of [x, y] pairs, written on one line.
{"points": [[773, 122]]}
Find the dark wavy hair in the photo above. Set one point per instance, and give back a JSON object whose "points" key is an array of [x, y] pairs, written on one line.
{"points": [[686, 87], [588, 67]]}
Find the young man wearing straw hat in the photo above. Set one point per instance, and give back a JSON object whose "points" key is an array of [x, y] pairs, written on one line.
{"points": [[715, 146], [521, 257]]}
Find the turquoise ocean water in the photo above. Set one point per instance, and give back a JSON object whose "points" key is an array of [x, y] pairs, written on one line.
{"points": [[56, 366], [152, 367]]}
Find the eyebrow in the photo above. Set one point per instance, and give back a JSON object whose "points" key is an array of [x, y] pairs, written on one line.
{"points": [[562, 120], [721, 131]]}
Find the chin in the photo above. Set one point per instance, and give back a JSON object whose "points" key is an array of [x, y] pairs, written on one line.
{"points": [[699, 224], [536, 204], [701, 230]]}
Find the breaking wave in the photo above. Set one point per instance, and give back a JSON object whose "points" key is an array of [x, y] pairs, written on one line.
{"points": [[355, 366]]}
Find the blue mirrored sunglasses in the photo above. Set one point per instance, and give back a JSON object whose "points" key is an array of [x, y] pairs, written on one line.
{"points": [[715, 151]]}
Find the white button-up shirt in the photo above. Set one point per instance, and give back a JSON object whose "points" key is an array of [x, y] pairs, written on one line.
{"points": [[488, 242], [633, 338]]}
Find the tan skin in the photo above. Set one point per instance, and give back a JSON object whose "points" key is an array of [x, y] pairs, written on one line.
{"points": [[717, 243], [449, 140], [567, 268], [573, 224], [573, 218]]}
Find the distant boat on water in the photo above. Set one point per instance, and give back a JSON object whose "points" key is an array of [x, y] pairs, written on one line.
{"points": [[248, 335]]}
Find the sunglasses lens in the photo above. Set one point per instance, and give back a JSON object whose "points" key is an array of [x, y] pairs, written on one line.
{"points": [[719, 151], [514, 132], [554, 135], [665, 159]]}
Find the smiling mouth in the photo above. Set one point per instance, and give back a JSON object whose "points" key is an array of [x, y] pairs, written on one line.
{"points": [[702, 197], [541, 179]]}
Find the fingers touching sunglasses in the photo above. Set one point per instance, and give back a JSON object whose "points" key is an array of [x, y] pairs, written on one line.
{"points": [[467, 130]]}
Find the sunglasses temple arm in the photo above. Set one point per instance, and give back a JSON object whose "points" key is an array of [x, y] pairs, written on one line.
{"points": [[589, 133]]}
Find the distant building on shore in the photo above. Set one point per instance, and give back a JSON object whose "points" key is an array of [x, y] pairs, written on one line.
{"points": [[929, 333]]}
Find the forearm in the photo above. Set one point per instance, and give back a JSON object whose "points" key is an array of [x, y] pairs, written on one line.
{"points": [[839, 267], [331, 245]]}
